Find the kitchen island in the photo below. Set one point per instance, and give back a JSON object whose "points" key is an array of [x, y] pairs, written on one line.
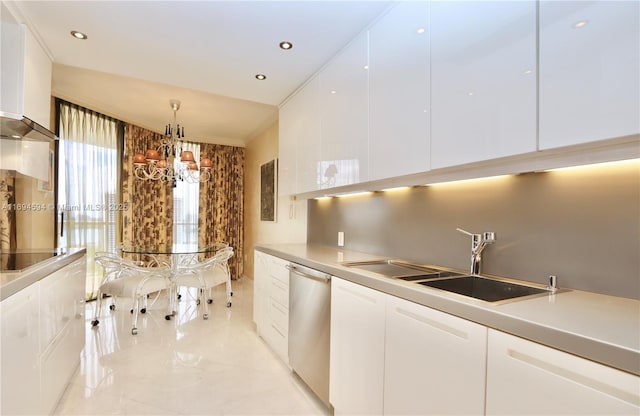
{"points": [[43, 330]]}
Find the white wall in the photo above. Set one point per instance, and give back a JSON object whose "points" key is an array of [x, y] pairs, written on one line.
{"points": [[291, 223]]}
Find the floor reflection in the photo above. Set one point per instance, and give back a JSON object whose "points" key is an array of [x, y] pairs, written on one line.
{"points": [[185, 366]]}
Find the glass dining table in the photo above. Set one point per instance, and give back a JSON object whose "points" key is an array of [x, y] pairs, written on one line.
{"points": [[173, 256]]}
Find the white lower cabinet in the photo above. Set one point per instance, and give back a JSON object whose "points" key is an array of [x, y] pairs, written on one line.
{"points": [[434, 362], [20, 362], [260, 294], [62, 329], [357, 349], [395, 357], [524, 377], [271, 302], [43, 332]]}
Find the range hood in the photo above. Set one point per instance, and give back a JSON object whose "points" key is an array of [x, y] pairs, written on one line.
{"points": [[23, 128], [25, 146]]}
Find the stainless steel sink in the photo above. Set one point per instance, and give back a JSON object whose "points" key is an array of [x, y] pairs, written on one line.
{"points": [[400, 270], [477, 287], [482, 288]]}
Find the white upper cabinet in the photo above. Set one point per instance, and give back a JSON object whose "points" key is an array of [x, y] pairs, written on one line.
{"points": [[25, 76], [299, 149], [344, 85], [12, 41], [483, 80], [308, 151], [287, 165], [399, 91], [589, 66]]}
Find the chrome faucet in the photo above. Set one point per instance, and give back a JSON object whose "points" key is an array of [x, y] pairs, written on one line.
{"points": [[478, 243]]}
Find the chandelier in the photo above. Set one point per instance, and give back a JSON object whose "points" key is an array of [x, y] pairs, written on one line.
{"points": [[158, 164]]}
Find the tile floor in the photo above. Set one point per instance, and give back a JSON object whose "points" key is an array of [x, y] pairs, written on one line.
{"points": [[186, 366]]}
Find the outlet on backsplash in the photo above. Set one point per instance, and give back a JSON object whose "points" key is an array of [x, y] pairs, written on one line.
{"points": [[340, 239]]}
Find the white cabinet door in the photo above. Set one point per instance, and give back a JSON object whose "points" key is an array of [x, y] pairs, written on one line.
{"points": [[589, 66], [12, 41], [399, 91], [287, 144], [434, 362], [62, 300], [271, 302], [528, 378], [260, 293], [278, 307], [344, 101], [357, 348], [20, 360], [483, 80], [300, 140], [62, 329]]}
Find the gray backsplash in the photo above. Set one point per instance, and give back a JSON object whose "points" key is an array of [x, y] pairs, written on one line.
{"points": [[582, 225]]}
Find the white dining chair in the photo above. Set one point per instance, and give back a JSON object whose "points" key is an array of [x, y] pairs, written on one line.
{"points": [[130, 280], [206, 275]]}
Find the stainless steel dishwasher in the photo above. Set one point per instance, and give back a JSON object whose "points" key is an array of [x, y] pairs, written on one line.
{"points": [[309, 327]]}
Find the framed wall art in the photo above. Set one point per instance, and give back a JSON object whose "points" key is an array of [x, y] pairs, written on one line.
{"points": [[268, 190]]}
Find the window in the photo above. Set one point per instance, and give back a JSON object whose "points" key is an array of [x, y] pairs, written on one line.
{"points": [[186, 197], [87, 184]]}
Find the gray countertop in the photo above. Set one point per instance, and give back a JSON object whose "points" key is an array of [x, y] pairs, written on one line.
{"points": [[13, 282], [601, 328]]}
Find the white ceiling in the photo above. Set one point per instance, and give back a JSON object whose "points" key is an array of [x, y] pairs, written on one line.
{"points": [[141, 54]]}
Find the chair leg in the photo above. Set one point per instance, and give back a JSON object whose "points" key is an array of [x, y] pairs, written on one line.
{"points": [[136, 304], [96, 314], [229, 291], [203, 292]]}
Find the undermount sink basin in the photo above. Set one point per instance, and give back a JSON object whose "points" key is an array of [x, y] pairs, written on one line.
{"points": [[477, 287], [489, 290]]}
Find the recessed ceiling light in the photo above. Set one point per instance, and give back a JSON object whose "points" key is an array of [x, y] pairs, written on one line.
{"points": [[420, 31], [334, 92], [528, 71], [580, 24], [78, 35], [366, 67], [286, 45], [261, 77]]}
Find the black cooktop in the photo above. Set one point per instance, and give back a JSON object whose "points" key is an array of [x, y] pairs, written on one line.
{"points": [[16, 261]]}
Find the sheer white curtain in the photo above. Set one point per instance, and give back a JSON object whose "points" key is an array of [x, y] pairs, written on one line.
{"points": [[87, 186], [186, 197]]}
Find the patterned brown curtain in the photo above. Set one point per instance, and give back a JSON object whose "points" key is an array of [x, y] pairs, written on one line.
{"points": [[7, 214], [222, 202], [149, 219]]}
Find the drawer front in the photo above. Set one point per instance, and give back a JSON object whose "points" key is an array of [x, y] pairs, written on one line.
{"points": [[279, 316], [278, 269], [59, 362], [279, 292], [279, 342]]}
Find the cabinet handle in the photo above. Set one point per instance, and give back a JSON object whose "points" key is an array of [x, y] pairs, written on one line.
{"points": [[278, 308], [278, 331], [435, 324], [54, 344], [360, 295], [608, 389], [325, 278], [278, 284]]}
